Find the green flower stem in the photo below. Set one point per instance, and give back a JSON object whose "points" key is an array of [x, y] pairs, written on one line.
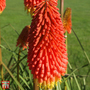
{"points": [[66, 48], [81, 46], [18, 67], [1, 68], [61, 11]]}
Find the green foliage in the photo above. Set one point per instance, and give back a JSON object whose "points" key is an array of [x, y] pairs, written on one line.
{"points": [[14, 18]]}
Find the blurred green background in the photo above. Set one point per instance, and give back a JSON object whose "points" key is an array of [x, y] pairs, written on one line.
{"points": [[15, 15]]}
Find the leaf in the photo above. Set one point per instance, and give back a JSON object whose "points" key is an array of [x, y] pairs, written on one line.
{"points": [[58, 87], [2, 46], [13, 76], [24, 81], [67, 86]]}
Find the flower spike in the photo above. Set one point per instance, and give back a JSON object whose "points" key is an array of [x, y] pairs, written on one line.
{"points": [[30, 5], [22, 40], [47, 57], [67, 20], [2, 5]]}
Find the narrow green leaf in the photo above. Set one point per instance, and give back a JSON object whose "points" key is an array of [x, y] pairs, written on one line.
{"points": [[6, 43], [11, 59], [0, 87], [58, 86], [9, 50], [67, 85], [76, 82], [81, 46], [30, 76], [24, 81], [75, 78], [84, 86], [2, 46], [15, 65], [13, 76]]}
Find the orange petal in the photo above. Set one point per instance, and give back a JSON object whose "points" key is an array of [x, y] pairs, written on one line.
{"points": [[47, 57], [22, 40], [67, 20], [2, 5]]}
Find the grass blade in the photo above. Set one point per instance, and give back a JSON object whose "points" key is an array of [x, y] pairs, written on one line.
{"points": [[75, 78], [13, 76], [67, 85], [24, 81], [81, 47], [76, 82], [9, 50], [84, 83], [58, 87], [18, 67]]}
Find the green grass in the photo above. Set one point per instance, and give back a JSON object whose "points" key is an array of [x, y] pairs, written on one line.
{"points": [[15, 15]]}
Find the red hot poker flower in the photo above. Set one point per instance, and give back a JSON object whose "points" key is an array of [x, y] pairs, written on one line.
{"points": [[67, 20], [47, 57], [30, 5], [2, 5], [22, 40]]}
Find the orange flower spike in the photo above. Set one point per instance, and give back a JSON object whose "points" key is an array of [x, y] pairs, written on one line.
{"points": [[30, 5], [22, 40], [2, 5], [47, 57], [67, 20]]}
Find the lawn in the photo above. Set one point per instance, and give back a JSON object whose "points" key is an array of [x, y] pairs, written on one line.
{"points": [[16, 18]]}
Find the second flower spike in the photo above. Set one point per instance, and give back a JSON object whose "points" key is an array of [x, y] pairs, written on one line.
{"points": [[22, 40], [67, 23]]}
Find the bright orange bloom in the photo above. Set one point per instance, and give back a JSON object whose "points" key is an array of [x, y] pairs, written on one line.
{"points": [[47, 57], [67, 20], [22, 40], [2, 5], [30, 5]]}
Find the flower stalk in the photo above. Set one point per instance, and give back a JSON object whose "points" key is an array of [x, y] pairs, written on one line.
{"points": [[66, 48], [61, 8], [18, 67], [61, 12], [36, 87], [1, 68]]}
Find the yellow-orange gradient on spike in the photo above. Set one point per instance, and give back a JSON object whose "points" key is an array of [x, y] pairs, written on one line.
{"points": [[67, 23], [2, 5], [47, 56], [22, 40], [30, 5]]}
